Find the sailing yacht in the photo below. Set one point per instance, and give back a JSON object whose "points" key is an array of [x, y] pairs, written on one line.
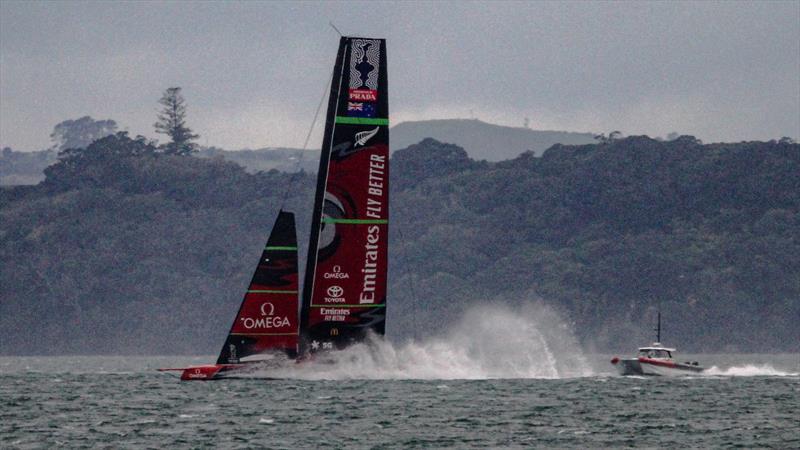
{"points": [[344, 289]]}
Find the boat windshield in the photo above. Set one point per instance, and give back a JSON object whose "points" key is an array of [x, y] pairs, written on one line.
{"points": [[655, 353]]}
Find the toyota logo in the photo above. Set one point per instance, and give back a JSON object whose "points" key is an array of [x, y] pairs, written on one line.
{"points": [[335, 291]]}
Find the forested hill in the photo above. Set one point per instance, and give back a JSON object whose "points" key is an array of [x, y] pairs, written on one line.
{"points": [[481, 140], [125, 250]]}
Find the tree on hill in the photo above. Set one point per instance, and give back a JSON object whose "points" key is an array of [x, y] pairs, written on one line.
{"points": [[172, 122], [116, 145], [77, 166], [79, 133]]}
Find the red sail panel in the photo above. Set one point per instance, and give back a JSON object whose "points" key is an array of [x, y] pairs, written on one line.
{"points": [[344, 294], [267, 320]]}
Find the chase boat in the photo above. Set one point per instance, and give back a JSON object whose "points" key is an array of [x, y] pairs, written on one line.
{"points": [[655, 360]]}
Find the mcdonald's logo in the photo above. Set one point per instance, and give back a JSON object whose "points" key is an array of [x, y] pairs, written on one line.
{"points": [[334, 331]]}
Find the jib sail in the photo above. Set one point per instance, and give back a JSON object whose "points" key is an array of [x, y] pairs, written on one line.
{"points": [[344, 294], [267, 320]]}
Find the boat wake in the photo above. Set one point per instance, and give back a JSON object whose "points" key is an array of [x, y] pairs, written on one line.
{"points": [[749, 370], [489, 342]]}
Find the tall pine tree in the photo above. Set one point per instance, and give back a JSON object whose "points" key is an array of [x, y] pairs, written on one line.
{"points": [[172, 122]]}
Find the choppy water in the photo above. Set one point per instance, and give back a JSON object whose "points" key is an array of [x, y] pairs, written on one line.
{"points": [[748, 401], [475, 386]]}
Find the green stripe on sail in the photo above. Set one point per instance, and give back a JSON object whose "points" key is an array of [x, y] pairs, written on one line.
{"points": [[365, 305], [269, 291], [279, 247], [361, 120], [355, 221]]}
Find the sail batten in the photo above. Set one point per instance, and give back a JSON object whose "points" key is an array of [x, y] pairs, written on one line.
{"points": [[344, 293]]}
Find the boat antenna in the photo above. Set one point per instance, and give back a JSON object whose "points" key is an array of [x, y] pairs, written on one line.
{"points": [[334, 28], [658, 327]]}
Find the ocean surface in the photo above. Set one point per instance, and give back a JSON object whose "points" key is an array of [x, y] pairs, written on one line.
{"points": [[413, 396]]}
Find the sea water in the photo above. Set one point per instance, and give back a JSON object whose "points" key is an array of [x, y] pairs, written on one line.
{"points": [[471, 388]]}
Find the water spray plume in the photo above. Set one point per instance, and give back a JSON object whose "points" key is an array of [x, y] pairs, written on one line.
{"points": [[749, 370], [526, 341]]}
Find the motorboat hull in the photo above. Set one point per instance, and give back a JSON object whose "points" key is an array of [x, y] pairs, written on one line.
{"points": [[668, 368], [654, 367], [628, 367]]}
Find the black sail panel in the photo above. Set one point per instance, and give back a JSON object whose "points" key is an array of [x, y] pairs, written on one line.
{"points": [[267, 319], [344, 292]]}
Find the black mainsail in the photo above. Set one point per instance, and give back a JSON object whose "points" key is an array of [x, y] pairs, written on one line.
{"points": [[344, 291]]}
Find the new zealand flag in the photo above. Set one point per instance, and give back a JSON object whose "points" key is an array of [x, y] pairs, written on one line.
{"points": [[360, 109]]}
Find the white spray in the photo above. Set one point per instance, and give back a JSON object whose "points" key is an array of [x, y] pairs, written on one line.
{"points": [[749, 370], [492, 341]]}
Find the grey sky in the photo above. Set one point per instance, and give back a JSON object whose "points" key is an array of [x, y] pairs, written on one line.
{"points": [[253, 72]]}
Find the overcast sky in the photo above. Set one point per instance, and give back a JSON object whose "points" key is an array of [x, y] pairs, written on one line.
{"points": [[253, 72]]}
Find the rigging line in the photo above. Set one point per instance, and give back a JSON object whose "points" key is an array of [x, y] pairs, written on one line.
{"points": [[291, 182], [335, 29], [414, 298]]}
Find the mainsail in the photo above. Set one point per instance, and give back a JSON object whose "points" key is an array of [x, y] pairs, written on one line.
{"points": [[267, 319], [344, 293]]}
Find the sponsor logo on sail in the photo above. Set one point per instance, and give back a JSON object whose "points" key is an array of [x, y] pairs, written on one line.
{"points": [[335, 294], [375, 210], [363, 136], [268, 319], [334, 315], [375, 186], [363, 95], [315, 344], [370, 269], [267, 309], [335, 291], [365, 58], [336, 273], [265, 322]]}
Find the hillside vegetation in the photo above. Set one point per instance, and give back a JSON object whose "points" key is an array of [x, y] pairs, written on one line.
{"points": [[125, 250], [481, 140]]}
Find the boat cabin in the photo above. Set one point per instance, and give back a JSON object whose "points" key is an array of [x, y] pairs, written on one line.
{"points": [[656, 351]]}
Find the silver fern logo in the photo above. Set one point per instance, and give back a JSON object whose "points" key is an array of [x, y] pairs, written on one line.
{"points": [[364, 136]]}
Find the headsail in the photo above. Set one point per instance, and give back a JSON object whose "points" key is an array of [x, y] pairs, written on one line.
{"points": [[344, 293], [267, 319]]}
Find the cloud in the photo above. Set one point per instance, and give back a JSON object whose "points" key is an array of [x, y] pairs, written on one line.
{"points": [[253, 73]]}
